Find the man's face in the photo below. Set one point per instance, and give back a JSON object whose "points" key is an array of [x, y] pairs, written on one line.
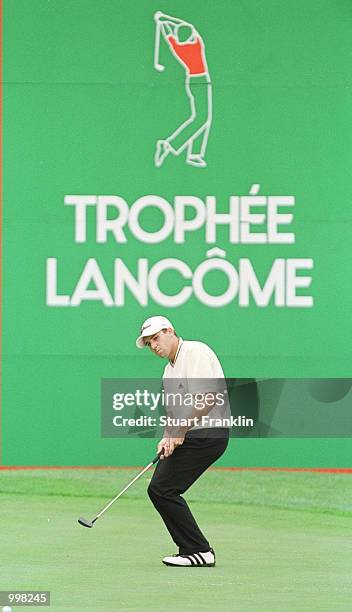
{"points": [[161, 343]]}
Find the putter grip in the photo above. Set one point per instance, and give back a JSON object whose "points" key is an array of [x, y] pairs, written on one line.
{"points": [[156, 459]]}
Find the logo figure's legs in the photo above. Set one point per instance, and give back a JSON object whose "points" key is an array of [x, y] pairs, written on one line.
{"points": [[192, 133], [197, 145], [196, 149]]}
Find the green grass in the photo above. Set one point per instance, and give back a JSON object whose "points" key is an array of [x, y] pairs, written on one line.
{"points": [[283, 542]]}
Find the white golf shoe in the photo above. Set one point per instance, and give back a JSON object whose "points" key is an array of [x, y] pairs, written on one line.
{"points": [[199, 559]]}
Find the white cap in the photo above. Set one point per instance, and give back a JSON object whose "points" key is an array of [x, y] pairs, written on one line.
{"points": [[150, 327]]}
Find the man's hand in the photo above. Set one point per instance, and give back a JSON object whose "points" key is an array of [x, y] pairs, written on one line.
{"points": [[169, 445]]}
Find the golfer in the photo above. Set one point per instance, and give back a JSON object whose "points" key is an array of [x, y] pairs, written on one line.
{"points": [[187, 46], [188, 449]]}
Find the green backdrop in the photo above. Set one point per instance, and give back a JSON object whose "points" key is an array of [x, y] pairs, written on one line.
{"points": [[83, 109]]}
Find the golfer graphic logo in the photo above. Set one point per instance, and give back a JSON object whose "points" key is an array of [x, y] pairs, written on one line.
{"points": [[187, 46]]}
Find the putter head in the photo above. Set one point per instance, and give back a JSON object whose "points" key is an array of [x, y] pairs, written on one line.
{"points": [[85, 522]]}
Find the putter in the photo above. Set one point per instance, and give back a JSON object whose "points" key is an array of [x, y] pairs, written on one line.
{"points": [[86, 523]]}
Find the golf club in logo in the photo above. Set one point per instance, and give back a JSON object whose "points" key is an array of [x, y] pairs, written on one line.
{"points": [[187, 46]]}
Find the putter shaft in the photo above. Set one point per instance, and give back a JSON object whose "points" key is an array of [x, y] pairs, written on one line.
{"points": [[85, 523]]}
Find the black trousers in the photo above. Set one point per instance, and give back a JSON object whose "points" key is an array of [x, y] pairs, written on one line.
{"points": [[174, 475]]}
